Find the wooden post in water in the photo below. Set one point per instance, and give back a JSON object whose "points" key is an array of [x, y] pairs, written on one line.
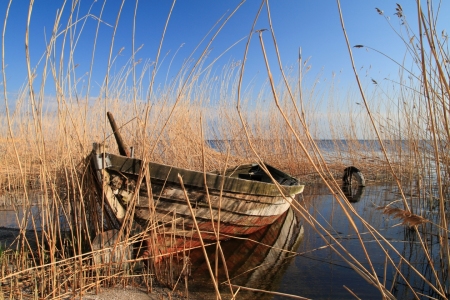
{"points": [[123, 148]]}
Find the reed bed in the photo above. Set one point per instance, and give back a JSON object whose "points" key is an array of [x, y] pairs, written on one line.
{"points": [[201, 123]]}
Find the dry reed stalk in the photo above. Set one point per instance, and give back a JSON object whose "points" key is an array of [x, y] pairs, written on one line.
{"points": [[369, 113], [354, 263], [443, 80], [351, 292], [301, 116], [239, 112], [374, 277], [216, 231], [5, 96], [218, 247], [190, 75], [269, 292], [216, 287], [380, 140]]}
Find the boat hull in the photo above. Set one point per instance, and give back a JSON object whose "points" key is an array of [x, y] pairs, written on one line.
{"points": [[239, 203]]}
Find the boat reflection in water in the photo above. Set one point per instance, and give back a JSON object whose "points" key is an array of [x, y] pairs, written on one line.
{"points": [[255, 261]]}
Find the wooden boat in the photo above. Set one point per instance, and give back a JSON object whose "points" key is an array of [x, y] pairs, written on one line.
{"points": [[243, 199], [245, 196]]}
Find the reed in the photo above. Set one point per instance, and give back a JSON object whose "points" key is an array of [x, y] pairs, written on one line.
{"points": [[45, 142]]}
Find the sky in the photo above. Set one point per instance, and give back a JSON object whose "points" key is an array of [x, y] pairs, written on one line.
{"points": [[313, 26]]}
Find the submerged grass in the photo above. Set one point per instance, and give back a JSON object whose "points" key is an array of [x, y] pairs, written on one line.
{"points": [[45, 142]]}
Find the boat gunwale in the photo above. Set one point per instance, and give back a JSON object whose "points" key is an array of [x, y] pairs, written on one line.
{"points": [[195, 179]]}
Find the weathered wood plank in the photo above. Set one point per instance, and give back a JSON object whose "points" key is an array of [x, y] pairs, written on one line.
{"points": [[196, 179], [248, 201]]}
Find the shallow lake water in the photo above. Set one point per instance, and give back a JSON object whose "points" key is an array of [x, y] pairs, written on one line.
{"points": [[31, 215], [312, 269], [318, 272], [14, 213], [291, 257]]}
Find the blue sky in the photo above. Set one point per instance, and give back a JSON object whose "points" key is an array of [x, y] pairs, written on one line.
{"points": [[312, 25]]}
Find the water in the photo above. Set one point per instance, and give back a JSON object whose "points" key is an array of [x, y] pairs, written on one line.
{"points": [[309, 268], [312, 269], [319, 272], [16, 212], [33, 215], [326, 146], [331, 273]]}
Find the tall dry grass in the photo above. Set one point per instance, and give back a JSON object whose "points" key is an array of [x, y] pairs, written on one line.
{"points": [[192, 122]]}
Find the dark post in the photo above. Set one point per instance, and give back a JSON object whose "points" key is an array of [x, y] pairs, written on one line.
{"points": [[123, 148]]}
